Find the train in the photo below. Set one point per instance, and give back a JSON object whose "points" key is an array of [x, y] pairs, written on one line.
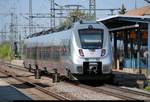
{"points": [[83, 51]]}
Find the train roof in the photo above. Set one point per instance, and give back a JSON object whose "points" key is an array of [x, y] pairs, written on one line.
{"points": [[47, 40], [49, 31], [54, 38], [60, 28]]}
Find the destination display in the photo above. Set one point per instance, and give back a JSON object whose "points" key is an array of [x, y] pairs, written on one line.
{"points": [[91, 31]]}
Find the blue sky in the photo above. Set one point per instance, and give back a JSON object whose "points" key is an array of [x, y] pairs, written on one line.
{"points": [[43, 6]]}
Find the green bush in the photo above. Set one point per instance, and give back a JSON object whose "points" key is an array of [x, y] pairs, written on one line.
{"points": [[5, 51], [148, 81], [147, 88]]}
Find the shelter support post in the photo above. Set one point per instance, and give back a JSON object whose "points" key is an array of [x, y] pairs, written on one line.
{"points": [[138, 49], [149, 49], [125, 41], [115, 50]]}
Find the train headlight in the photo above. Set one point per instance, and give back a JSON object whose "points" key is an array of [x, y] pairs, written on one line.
{"points": [[103, 52], [81, 52]]}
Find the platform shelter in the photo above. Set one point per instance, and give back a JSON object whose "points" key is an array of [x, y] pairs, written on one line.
{"points": [[130, 36]]}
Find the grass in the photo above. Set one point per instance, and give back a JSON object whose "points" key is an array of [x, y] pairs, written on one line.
{"points": [[5, 51], [148, 81], [147, 88]]}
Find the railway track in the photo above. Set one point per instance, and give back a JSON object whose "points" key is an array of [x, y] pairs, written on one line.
{"points": [[33, 83], [128, 90], [14, 66], [125, 94], [101, 90], [122, 93], [27, 89], [116, 91]]}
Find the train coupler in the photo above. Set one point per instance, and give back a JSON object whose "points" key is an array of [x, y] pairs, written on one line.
{"points": [[92, 68]]}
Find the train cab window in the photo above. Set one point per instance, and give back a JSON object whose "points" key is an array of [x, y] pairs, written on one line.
{"points": [[91, 38]]}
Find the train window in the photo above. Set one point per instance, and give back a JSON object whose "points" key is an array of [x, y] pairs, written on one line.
{"points": [[40, 56], [34, 53], [91, 38], [55, 53], [50, 53], [29, 53], [44, 54], [37, 52]]}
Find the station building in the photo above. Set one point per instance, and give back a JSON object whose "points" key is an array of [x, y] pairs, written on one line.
{"points": [[130, 36]]}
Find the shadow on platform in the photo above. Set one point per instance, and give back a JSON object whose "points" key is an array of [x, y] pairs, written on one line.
{"points": [[129, 79], [8, 93], [28, 85]]}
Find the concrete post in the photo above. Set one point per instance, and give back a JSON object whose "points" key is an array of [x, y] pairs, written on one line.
{"points": [[149, 50]]}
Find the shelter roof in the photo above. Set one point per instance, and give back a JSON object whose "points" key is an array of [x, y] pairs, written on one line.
{"points": [[139, 11], [124, 21]]}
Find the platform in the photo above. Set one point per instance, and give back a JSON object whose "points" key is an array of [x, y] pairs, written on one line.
{"points": [[9, 93]]}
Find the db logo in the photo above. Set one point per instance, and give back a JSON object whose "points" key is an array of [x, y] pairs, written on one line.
{"points": [[92, 53]]}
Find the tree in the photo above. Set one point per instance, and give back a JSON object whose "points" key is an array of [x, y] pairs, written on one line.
{"points": [[123, 10], [74, 16], [5, 51]]}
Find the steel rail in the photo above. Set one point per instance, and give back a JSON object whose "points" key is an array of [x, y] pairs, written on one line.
{"points": [[106, 92], [29, 82], [103, 90], [128, 90], [15, 66]]}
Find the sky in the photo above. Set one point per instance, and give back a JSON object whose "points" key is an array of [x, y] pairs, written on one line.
{"points": [[43, 6]]}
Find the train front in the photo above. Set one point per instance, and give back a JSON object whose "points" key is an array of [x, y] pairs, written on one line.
{"points": [[92, 56]]}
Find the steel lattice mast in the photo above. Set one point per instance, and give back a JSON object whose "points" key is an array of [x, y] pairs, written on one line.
{"points": [[52, 13], [92, 9]]}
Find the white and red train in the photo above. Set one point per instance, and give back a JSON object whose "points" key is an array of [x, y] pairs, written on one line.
{"points": [[81, 52]]}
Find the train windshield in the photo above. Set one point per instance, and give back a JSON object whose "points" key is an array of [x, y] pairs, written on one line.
{"points": [[91, 38]]}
